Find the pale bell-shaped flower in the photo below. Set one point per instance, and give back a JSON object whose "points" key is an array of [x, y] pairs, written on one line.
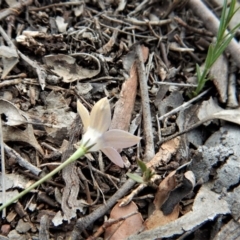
{"points": [[97, 136]]}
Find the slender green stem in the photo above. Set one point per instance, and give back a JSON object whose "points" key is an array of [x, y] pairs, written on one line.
{"points": [[77, 154]]}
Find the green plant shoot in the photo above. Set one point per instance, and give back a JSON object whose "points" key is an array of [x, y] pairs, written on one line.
{"points": [[218, 47], [147, 173]]}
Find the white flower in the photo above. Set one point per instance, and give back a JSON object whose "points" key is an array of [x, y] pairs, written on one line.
{"points": [[98, 137]]}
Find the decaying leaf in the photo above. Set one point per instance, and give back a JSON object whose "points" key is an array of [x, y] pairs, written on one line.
{"points": [[55, 113], [177, 194], [12, 115], [231, 115], [207, 206], [165, 153], [127, 227], [158, 218], [14, 180], [219, 74], [167, 199], [164, 188], [67, 67], [14, 134], [124, 106], [9, 58]]}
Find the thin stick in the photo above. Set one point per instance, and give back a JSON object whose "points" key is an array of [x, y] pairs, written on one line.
{"points": [[21, 161], [176, 84], [183, 106], [3, 169], [84, 222], [147, 120], [55, 5]]}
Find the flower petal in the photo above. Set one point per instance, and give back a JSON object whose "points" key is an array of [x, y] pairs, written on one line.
{"points": [[100, 117], [119, 139], [113, 155], [84, 114]]}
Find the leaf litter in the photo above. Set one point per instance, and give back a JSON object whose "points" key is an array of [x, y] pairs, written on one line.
{"points": [[142, 56]]}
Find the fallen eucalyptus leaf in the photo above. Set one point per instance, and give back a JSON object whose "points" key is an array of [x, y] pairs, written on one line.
{"points": [[126, 227], [12, 115], [9, 59], [67, 67]]}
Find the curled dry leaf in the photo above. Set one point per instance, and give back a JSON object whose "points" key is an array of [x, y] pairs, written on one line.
{"points": [[125, 228], [179, 193], [125, 104], [67, 67], [9, 59], [12, 115], [167, 199], [157, 218], [11, 134], [207, 206], [165, 153]]}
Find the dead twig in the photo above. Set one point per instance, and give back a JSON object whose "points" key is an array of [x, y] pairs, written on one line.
{"points": [[147, 120], [21, 161], [2, 155], [109, 223], [55, 5], [16, 9], [83, 222], [183, 106], [193, 29], [176, 84]]}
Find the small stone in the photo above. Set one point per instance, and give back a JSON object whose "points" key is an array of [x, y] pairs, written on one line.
{"points": [[23, 227]]}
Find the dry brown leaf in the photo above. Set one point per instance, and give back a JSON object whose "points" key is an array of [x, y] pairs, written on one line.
{"points": [[124, 106], [19, 135], [219, 73], [127, 227], [12, 115], [66, 66], [165, 153], [9, 59], [159, 219], [164, 188]]}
